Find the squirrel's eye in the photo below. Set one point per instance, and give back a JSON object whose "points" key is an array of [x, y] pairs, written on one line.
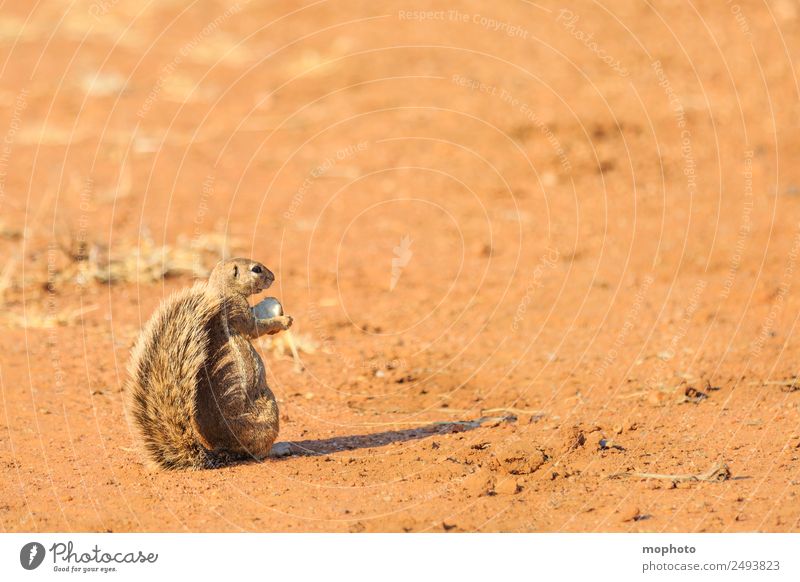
{"points": [[257, 269]]}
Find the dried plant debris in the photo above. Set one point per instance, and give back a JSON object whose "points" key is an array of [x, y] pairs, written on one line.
{"points": [[716, 473], [693, 395], [791, 384], [10, 233], [5, 277], [679, 394], [522, 414], [37, 319], [140, 261], [280, 346], [608, 444]]}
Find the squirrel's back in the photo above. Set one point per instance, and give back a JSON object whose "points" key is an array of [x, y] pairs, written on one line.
{"points": [[166, 361]]}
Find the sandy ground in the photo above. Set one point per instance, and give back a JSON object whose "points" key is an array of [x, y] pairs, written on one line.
{"points": [[532, 250]]}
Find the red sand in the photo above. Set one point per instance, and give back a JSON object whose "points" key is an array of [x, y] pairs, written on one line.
{"points": [[592, 226]]}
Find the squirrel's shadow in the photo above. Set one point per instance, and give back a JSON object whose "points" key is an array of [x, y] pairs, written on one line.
{"points": [[339, 444]]}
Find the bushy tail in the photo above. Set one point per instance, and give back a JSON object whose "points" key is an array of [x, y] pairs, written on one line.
{"points": [[164, 369]]}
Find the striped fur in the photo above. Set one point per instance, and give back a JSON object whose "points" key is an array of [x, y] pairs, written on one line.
{"points": [[197, 391], [165, 364]]}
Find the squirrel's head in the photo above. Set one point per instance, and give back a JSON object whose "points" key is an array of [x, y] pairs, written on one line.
{"points": [[241, 276]]}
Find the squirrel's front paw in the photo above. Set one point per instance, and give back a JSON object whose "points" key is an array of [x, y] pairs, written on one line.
{"points": [[273, 325], [281, 323]]}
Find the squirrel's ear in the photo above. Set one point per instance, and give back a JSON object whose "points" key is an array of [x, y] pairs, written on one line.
{"points": [[236, 270]]}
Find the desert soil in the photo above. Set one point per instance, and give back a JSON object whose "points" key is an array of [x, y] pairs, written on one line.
{"points": [[532, 251]]}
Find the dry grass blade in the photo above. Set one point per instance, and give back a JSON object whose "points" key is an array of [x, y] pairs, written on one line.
{"points": [[298, 364], [141, 261], [11, 233], [37, 320], [281, 345], [788, 385], [717, 473], [633, 394], [511, 410], [5, 277]]}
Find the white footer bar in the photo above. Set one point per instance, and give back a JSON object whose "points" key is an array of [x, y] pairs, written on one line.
{"points": [[406, 558]]}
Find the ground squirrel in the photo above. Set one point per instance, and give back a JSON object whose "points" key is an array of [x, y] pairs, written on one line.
{"points": [[198, 396]]}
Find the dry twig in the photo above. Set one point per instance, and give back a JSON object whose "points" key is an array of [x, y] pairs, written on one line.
{"points": [[717, 473]]}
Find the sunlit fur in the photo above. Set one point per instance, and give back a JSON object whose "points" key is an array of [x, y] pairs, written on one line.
{"points": [[197, 392]]}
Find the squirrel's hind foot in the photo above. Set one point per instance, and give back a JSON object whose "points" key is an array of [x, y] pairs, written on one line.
{"points": [[219, 458]]}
